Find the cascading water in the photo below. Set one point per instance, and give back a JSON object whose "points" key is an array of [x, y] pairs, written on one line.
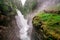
{"points": [[23, 2], [22, 24]]}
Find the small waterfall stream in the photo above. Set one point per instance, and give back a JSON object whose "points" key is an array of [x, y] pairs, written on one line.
{"points": [[23, 2], [23, 26]]}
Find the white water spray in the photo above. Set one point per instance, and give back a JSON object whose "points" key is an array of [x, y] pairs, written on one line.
{"points": [[22, 24], [23, 2]]}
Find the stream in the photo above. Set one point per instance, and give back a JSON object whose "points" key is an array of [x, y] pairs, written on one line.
{"points": [[25, 24]]}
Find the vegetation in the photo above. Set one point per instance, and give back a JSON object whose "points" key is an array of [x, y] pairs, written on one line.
{"points": [[49, 24], [6, 12], [29, 6], [6, 8]]}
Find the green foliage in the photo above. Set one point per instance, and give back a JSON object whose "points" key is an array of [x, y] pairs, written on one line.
{"points": [[7, 8], [50, 24], [1, 1], [4, 7], [29, 6], [51, 18]]}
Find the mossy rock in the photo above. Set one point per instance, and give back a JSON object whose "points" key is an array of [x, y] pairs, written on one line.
{"points": [[49, 23]]}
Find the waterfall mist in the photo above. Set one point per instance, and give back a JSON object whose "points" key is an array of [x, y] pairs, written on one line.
{"points": [[22, 23], [23, 26], [23, 2]]}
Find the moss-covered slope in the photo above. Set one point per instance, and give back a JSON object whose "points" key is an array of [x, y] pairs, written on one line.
{"points": [[49, 24]]}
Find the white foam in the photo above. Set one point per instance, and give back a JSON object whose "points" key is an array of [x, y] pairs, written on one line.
{"points": [[23, 2], [23, 26]]}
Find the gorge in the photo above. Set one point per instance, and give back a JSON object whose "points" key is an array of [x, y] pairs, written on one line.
{"points": [[22, 20]]}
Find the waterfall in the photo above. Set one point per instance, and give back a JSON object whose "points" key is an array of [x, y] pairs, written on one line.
{"points": [[23, 2], [23, 26], [22, 23]]}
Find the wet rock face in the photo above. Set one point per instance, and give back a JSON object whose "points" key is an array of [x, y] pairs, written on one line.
{"points": [[2, 31], [3, 27], [8, 27], [36, 22], [4, 20], [37, 34]]}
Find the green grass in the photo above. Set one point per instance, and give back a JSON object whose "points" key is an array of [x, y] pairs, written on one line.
{"points": [[51, 18], [50, 23]]}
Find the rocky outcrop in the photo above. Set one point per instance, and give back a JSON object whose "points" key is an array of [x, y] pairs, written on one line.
{"points": [[8, 26], [47, 25]]}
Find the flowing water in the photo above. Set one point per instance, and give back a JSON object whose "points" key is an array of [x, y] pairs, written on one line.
{"points": [[22, 24], [25, 25], [23, 2]]}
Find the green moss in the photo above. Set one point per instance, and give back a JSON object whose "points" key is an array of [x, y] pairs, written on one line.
{"points": [[50, 24], [51, 18]]}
